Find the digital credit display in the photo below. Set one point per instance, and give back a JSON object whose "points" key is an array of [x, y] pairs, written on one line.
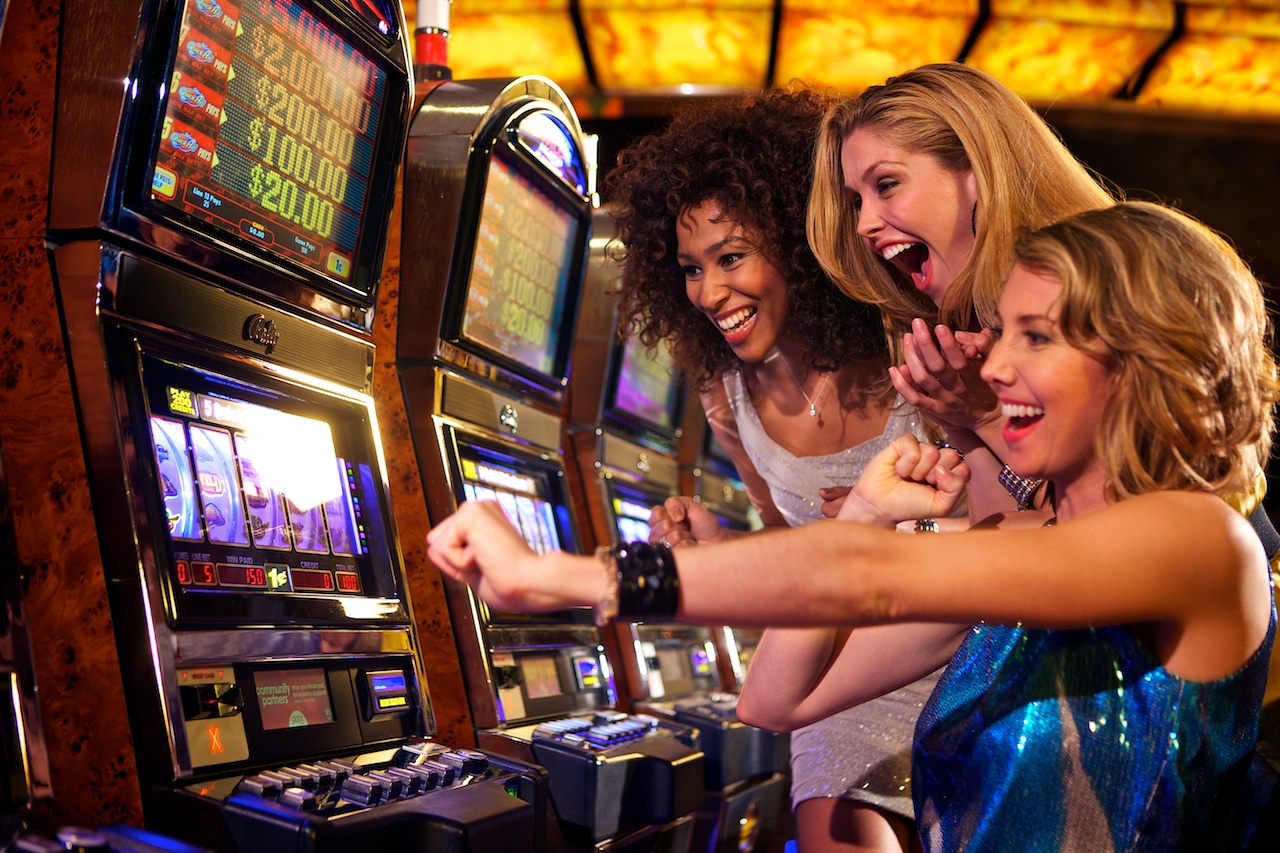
{"points": [[646, 387], [270, 129], [520, 271]]}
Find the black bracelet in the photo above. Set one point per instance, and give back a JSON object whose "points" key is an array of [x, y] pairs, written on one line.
{"points": [[648, 585]]}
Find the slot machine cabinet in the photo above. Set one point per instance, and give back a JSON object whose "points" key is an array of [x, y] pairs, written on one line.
{"points": [[24, 756], [217, 229], [626, 429], [707, 473], [496, 216]]}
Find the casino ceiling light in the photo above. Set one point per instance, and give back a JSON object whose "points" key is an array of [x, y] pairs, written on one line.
{"points": [[1205, 55]]}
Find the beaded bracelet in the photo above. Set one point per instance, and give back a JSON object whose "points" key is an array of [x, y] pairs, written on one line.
{"points": [[648, 586], [1022, 489], [607, 607]]}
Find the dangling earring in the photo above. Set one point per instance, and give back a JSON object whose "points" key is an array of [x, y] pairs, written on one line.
{"points": [[973, 220]]}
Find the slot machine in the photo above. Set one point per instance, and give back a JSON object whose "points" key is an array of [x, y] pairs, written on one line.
{"points": [[497, 212], [708, 474], [625, 430], [221, 190]]}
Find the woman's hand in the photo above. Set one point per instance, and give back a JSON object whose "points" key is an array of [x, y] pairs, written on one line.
{"points": [[941, 377], [478, 546], [908, 479], [833, 498], [683, 521]]}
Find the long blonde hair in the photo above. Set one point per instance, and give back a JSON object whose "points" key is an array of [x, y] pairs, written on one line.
{"points": [[1182, 325], [1026, 178]]}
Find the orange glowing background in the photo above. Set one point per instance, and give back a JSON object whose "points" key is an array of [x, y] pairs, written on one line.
{"points": [[1227, 59], [824, 44]]}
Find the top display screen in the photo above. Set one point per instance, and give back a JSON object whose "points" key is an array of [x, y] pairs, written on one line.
{"points": [[646, 387], [520, 273], [270, 134]]}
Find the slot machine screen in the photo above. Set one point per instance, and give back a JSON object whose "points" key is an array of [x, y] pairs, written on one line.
{"points": [[271, 495], [291, 698], [277, 131], [643, 387], [533, 495], [630, 508], [541, 676], [523, 274]]}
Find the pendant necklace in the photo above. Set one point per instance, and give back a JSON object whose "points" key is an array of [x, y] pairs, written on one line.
{"points": [[817, 395]]}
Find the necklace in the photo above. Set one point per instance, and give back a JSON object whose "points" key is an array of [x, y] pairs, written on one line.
{"points": [[817, 395]]}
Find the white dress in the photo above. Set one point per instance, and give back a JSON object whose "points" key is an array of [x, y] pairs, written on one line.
{"points": [[863, 753]]}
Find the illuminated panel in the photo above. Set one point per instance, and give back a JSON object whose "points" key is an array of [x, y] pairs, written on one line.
{"points": [[520, 272], [521, 496], [257, 499], [646, 388], [657, 44], [289, 698], [1228, 61], [270, 129], [826, 45], [541, 677], [631, 515], [513, 37], [1079, 49]]}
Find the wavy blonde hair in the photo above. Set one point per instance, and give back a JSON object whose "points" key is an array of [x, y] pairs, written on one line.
{"points": [[1182, 325], [966, 119]]}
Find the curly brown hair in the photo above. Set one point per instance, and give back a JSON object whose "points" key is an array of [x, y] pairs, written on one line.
{"points": [[754, 158]]}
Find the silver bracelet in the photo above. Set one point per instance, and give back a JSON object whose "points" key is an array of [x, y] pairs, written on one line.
{"points": [[1022, 489]]}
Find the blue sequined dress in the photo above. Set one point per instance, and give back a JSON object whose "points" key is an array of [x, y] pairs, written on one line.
{"points": [[1080, 740]]}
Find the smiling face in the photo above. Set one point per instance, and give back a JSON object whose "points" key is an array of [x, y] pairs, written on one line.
{"points": [[1052, 394], [913, 212], [729, 279]]}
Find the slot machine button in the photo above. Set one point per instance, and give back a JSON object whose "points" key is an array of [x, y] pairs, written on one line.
{"points": [[339, 772], [261, 786], [446, 772], [601, 718], [468, 761], [78, 838], [276, 776], [411, 781], [298, 798], [362, 790], [392, 787], [324, 778], [411, 753], [427, 777], [298, 779]]}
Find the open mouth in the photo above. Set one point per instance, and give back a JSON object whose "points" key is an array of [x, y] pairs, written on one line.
{"points": [[1021, 418], [912, 259], [736, 322]]}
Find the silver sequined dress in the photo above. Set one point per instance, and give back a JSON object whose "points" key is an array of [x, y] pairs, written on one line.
{"points": [[863, 753]]}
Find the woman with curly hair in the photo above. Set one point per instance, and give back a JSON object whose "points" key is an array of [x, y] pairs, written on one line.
{"points": [[793, 379]]}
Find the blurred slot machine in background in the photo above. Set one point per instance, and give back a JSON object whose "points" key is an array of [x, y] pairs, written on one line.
{"points": [[217, 225], [626, 407], [497, 215], [707, 472]]}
